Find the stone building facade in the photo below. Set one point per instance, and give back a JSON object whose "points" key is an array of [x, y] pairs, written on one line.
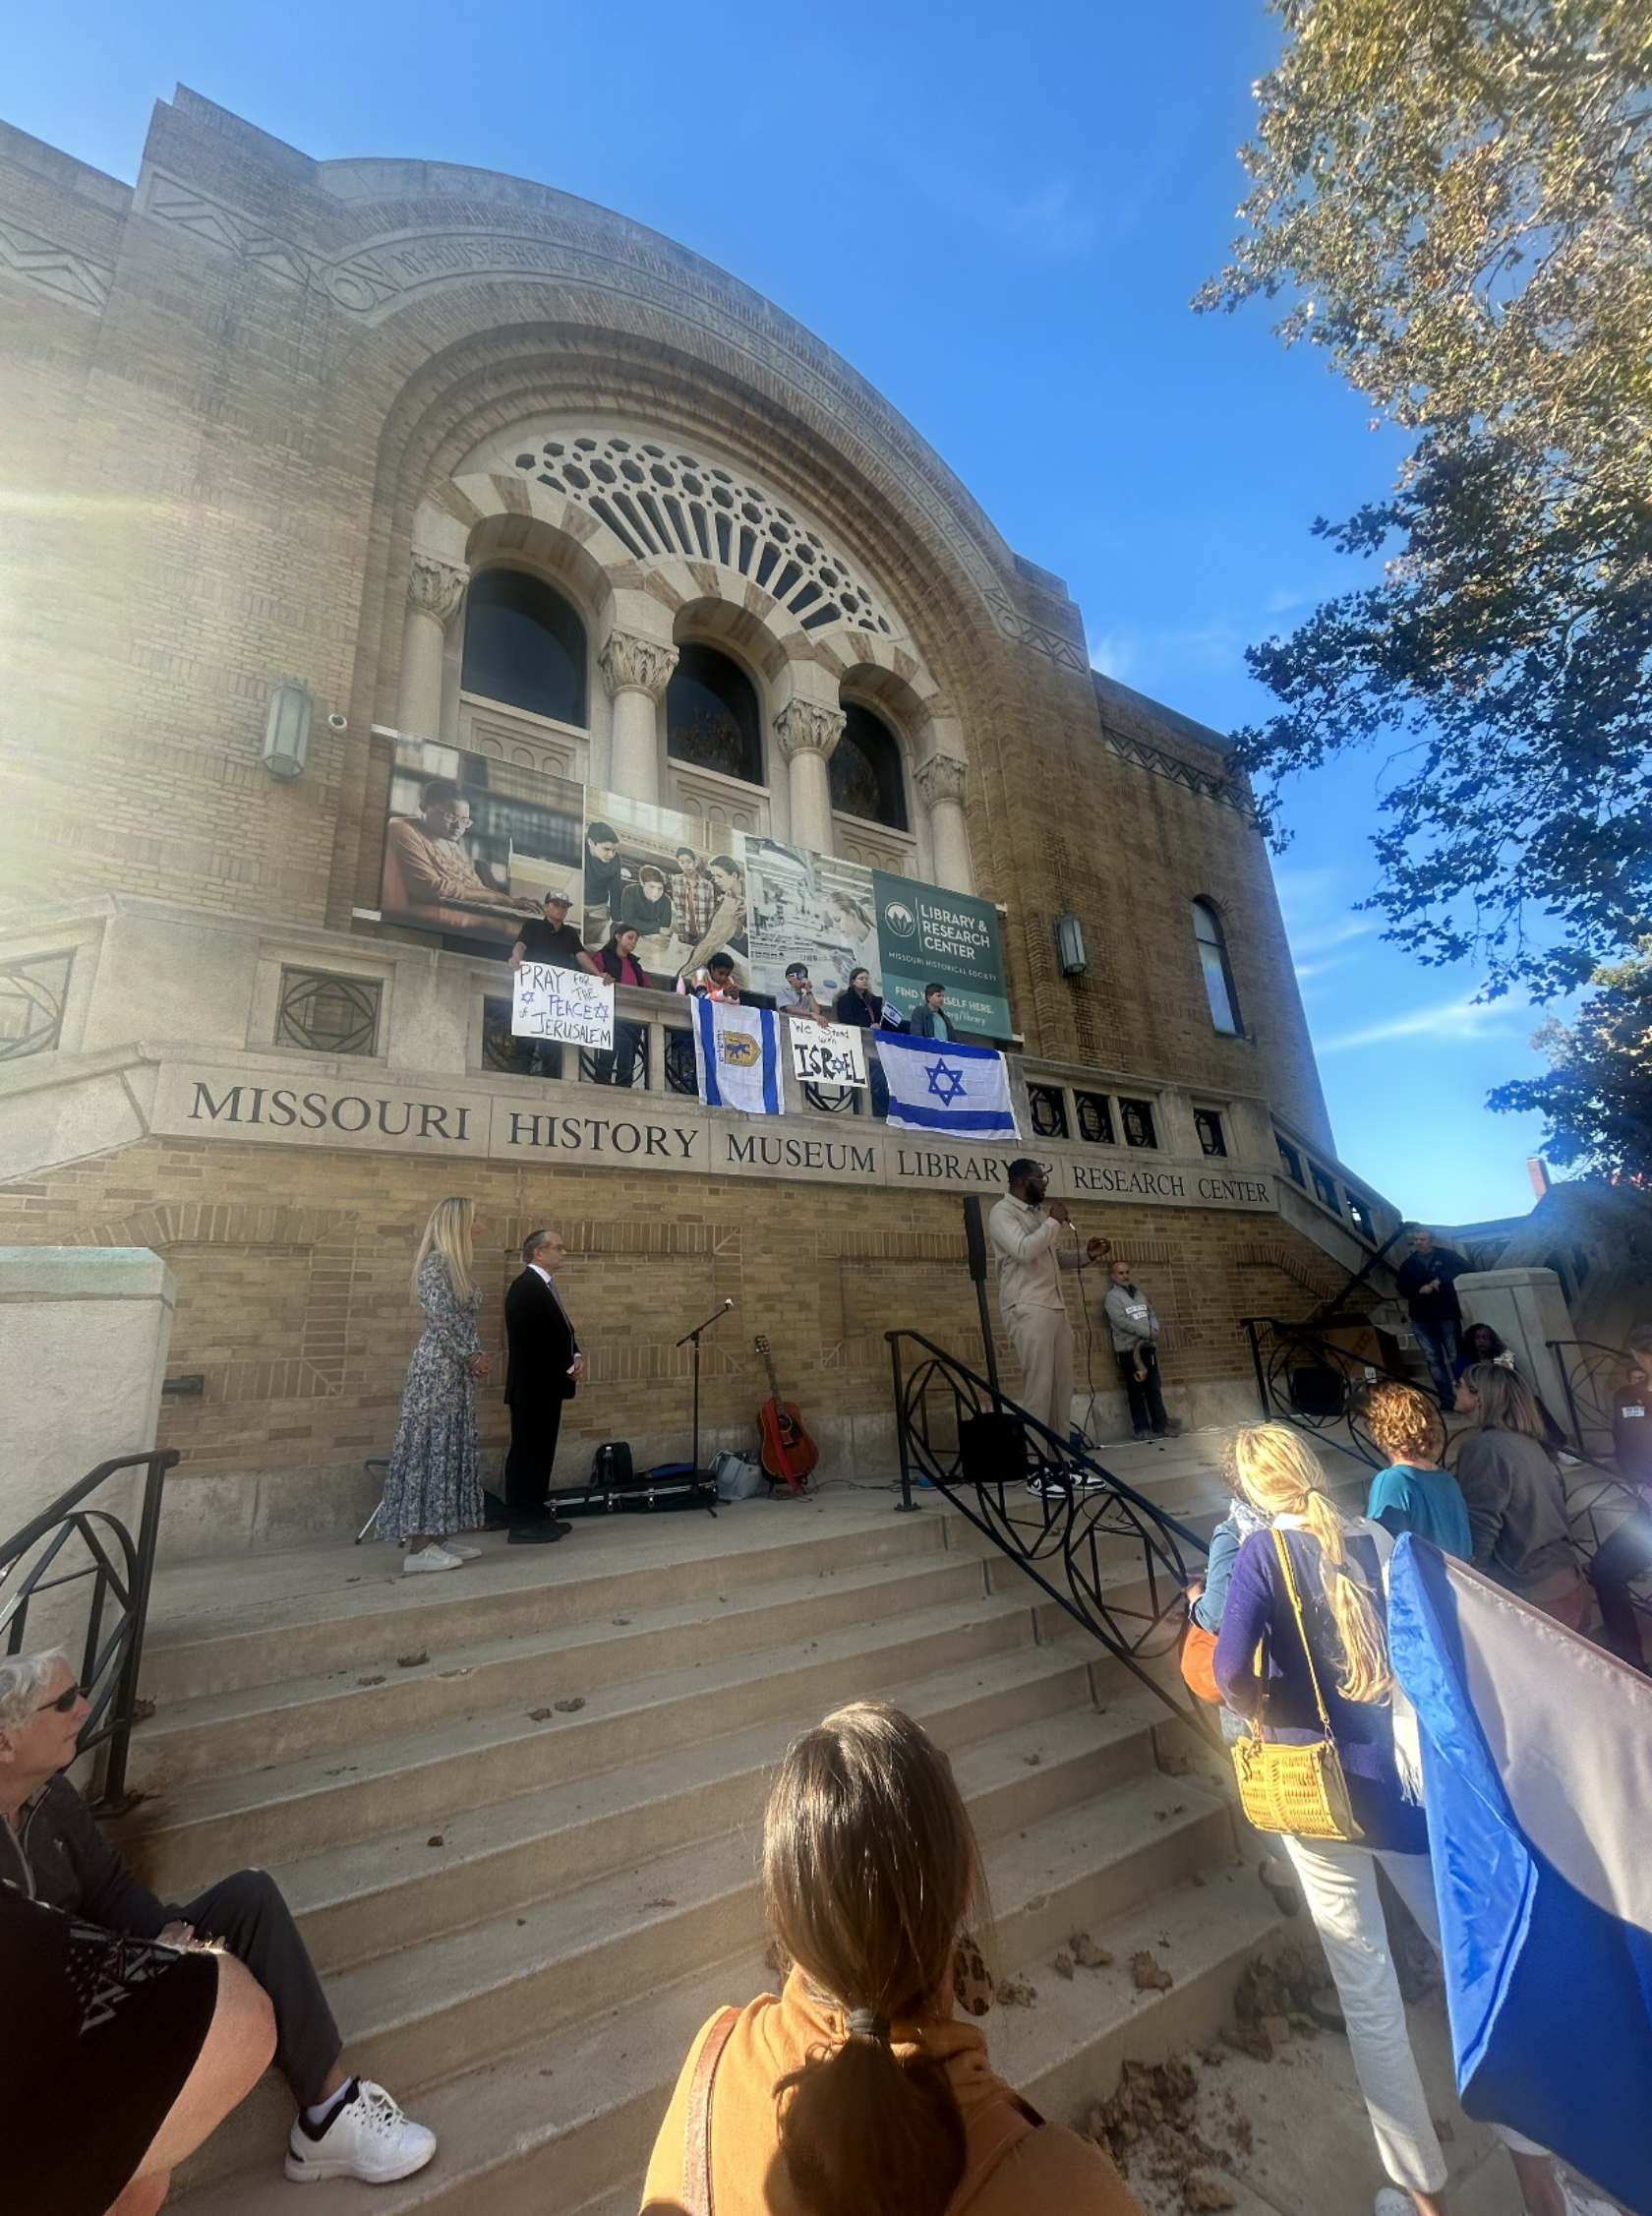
{"points": [[270, 418]]}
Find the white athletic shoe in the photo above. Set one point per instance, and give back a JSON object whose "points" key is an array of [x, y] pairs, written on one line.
{"points": [[432, 1557], [368, 2138], [461, 1553], [1050, 1487]]}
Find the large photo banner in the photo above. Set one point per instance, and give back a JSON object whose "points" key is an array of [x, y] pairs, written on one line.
{"points": [[473, 844], [680, 883], [809, 908], [929, 936]]}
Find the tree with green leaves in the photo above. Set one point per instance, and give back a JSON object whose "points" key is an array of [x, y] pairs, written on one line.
{"points": [[1597, 1097], [1454, 198]]}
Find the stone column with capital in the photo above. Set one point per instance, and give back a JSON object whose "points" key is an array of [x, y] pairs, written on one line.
{"points": [[808, 733], [940, 784], [637, 672], [435, 589]]}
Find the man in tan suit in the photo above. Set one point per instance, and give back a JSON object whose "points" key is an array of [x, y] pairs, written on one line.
{"points": [[1032, 1251]]}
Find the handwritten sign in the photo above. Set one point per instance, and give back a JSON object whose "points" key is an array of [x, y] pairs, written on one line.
{"points": [[568, 1004], [827, 1053]]}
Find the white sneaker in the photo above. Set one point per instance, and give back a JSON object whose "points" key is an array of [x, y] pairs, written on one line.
{"points": [[1049, 1489], [368, 2138], [461, 1553], [432, 1557]]}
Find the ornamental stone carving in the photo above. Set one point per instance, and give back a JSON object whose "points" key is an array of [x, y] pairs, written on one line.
{"points": [[436, 587], [630, 664], [804, 728], [941, 778]]}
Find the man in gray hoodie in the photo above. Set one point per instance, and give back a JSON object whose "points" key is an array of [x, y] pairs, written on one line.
{"points": [[1135, 1330]]}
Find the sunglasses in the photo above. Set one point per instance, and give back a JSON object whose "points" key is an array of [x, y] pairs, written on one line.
{"points": [[64, 1702]]}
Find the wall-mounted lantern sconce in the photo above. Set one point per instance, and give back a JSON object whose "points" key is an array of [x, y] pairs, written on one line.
{"points": [[287, 733], [1070, 945]]}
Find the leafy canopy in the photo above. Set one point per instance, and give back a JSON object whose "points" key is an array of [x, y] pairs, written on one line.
{"points": [[1597, 1097], [1455, 196]]}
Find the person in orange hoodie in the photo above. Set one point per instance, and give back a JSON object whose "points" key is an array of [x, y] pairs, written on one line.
{"points": [[856, 2092]]}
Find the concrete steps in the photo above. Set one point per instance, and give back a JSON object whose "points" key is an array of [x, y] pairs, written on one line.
{"points": [[523, 1921]]}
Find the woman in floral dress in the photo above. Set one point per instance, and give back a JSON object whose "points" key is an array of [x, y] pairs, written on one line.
{"points": [[434, 1488]]}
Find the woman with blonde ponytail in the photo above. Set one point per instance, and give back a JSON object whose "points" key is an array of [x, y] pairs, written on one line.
{"points": [[856, 2092], [432, 1488]]}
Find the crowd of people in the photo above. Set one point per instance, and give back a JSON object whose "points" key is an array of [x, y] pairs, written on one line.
{"points": [[647, 945]]}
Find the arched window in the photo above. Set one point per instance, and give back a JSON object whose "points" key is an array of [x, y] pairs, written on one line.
{"points": [[1218, 972], [711, 715], [865, 770], [524, 647]]}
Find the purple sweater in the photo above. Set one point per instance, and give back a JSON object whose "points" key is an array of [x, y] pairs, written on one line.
{"points": [[1258, 1611]]}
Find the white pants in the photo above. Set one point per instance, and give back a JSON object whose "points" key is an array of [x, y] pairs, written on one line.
{"points": [[1042, 1339], [1339, 1883]]}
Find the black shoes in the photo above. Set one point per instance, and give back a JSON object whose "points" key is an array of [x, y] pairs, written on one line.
{"points": [[538, 1534]]}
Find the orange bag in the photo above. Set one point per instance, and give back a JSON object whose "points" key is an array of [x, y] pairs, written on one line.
{"points": [[1199, 1656]]}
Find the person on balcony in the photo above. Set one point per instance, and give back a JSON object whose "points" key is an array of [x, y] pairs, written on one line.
{"points": [[52, 1850], [618, 961], [932, 1020], [1427, 1283], [1135, 1327]]}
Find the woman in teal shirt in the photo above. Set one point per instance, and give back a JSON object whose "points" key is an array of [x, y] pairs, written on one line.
{"points": [[1416, 1492]]}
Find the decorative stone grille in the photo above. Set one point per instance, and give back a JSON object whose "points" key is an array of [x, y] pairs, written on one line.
{"points": [[328, 1015], [1138, 1120], [1096, 1118], [1047, 1110], [32, 999], [1209, 1124], [658, 500]]}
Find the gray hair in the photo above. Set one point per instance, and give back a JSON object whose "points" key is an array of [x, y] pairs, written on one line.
{"points": [[22, 1680]]}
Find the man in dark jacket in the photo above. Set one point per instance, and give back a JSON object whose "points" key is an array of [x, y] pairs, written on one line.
{"points": [[1427, 1284], [52, 1850], [546, 1366]]}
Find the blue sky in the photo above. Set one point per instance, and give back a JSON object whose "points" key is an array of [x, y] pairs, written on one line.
{"points": [[999, 218]]}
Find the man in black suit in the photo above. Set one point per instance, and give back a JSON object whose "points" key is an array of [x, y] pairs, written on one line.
{"points": [[546, 1366]]}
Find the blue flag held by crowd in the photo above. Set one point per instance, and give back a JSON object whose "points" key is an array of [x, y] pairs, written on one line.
{"points": [[1537, 1772], [941, 1086], [738, 1050]]}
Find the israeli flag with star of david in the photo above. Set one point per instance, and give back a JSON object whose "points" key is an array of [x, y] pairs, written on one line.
{"points": [[737, 1049], [936, 1086]]}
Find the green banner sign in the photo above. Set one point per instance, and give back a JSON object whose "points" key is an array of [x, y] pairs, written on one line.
{"points": [[929, 936]]}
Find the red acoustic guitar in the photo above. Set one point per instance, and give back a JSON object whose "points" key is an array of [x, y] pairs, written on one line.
{"points": [[789, 1454]]}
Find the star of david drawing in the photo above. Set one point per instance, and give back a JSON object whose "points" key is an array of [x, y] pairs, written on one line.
{"points": [[946, 1084]]}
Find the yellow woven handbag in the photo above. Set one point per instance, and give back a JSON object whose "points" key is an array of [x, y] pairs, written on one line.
{"points": [[1297, 1791]]}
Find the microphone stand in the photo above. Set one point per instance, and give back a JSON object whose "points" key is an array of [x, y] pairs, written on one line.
{"points": [[716, 1317]]}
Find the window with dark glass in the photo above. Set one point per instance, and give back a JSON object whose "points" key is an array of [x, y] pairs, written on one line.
{"points": [[524, 647], [1291, 1160], [711, 716], [1360, 1209], [1138, 1120], [1048, 1110], [1218, 973], [865, 770], [1209, 1124], [1096, 1118], [1326, 1186]]}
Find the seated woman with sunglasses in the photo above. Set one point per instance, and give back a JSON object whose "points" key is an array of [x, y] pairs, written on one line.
{"points": [[53, 1851]]}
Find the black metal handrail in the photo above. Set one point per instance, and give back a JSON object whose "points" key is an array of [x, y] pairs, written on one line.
{"points": [[1357, 1277], [1310, 1381], [1585, 1402], [120, 1569], [1056, 1535]]}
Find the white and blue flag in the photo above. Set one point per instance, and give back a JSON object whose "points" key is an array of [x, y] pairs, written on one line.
{"points": [[1537, 1776], [737, 1051], [937, 1085]]}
